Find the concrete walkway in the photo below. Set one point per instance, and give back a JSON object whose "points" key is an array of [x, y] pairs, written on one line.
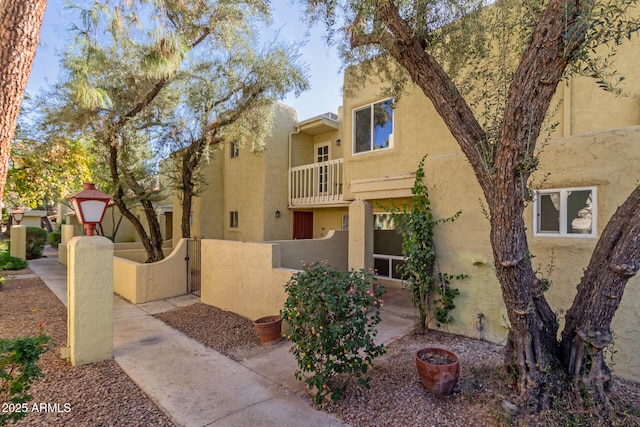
{"points": [[197, 386]]}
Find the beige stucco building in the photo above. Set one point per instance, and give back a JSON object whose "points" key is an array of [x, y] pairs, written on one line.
{"points": [[338, 172]]}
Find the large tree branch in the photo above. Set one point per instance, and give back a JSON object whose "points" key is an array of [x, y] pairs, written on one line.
{"points": [[153, 93], [617, 254], [536, 79], [407, 49]]}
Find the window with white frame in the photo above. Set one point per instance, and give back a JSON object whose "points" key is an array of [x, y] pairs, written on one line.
{"points": [[567, 212], [373, 127]]}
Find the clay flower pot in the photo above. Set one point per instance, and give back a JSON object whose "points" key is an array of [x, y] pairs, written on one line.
{"points": [[269, 329], [438, 369]]}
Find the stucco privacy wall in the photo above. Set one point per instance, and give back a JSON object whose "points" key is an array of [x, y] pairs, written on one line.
{"points": [[140, 282], [607, 160], [132, 251], [333, 249], [243, 277]]}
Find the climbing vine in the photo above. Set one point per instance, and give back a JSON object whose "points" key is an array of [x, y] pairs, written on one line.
{"points": [[429, 289]]}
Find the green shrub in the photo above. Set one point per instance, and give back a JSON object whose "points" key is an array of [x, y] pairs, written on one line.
{"points": [[54, 239], [326, 311], [18, 369], [8, 262], [36, 239]]}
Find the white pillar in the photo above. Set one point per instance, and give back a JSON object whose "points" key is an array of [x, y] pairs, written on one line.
{"points": [[360, 235], [18, 242], [90, 299]]}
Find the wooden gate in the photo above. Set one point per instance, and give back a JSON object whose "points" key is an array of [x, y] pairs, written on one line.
{"points": [[193, 266]]}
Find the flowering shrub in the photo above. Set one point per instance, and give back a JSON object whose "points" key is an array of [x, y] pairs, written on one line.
{"points": [[332, 317]]}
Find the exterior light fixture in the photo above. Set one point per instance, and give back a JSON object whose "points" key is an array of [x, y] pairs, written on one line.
{"points": [[17, 214], [90, 206], [338, 142], [277, 214]]}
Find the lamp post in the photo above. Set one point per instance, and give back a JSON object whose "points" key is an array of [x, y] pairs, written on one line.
{"points": [[89, 283], [17, 214], [90, 206]]}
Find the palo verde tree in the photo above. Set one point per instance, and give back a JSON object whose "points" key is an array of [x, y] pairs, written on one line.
{"points": [[436, 43], [118, 86], [227, 97]]}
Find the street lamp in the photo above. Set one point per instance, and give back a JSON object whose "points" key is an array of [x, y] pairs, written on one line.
{"points": [[90, 206], [17, 214]]}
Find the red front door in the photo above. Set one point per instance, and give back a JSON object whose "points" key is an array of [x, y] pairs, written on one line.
{"points": [[302, 225]]}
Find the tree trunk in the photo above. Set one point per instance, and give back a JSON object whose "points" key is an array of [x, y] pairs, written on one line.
{"points": [[587, 332], [153, 249], [187, 193], [20, 23], [154, 231], [190, 164], [502, 174], [502, 168], [532, 344]]}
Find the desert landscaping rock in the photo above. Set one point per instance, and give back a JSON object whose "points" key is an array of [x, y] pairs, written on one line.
{"points": [[99, 394], [226, 332], [397, 398]]}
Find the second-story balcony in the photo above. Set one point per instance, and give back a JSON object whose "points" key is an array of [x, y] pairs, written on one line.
{"points": [[316, 184]]}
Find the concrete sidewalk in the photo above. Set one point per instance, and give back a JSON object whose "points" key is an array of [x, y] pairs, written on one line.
{"points": [[197, 386]]}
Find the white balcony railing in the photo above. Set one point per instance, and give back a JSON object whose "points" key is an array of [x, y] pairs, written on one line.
{"points": [[316, 184]]}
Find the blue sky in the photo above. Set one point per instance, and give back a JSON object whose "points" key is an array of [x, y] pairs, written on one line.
{"points": [[324, 66]]}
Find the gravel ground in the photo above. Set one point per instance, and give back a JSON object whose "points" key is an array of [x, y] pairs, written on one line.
{"points": [[397, 397], [226, 332], [100, 394]]}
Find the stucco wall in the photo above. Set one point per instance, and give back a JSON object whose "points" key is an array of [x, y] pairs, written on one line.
{"points": [[333, 248], [248, 278], [139, 282], [579, 106], [90, 300], [607, 160], [243, 277], [327, 219], [254, 184], [275, 178]]}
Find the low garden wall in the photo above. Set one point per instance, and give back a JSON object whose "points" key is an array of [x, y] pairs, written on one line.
{"points": [[139, 282], [133, 251], [334, 248], [248, 278]]}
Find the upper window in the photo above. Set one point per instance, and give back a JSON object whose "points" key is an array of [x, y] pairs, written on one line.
{"points": [[373, 127], [568, 212], [235, 149]]}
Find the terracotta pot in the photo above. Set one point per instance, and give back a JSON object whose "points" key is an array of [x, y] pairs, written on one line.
{"points": [[438, 378], [269, 329]]}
